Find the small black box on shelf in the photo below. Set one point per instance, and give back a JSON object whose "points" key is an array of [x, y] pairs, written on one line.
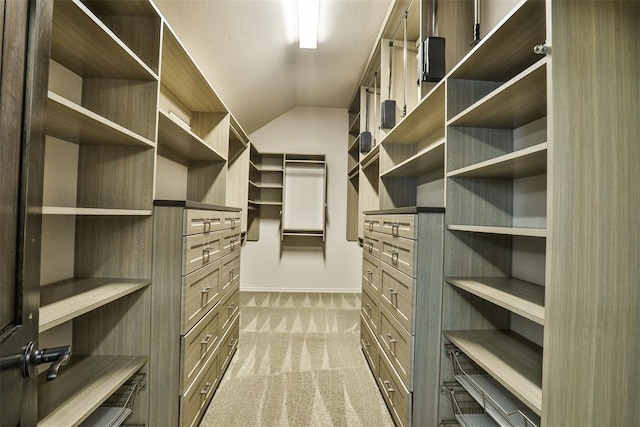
{"points": [[365, 142], [388, 114], [433, 54]]}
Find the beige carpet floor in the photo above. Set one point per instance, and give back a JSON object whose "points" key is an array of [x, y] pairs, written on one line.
{"points": [[298, 364]]}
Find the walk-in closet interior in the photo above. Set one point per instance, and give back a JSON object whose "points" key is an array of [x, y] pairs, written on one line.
{"points": [[460, 208]]}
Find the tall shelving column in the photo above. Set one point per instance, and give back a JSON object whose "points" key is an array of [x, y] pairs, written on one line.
{"points": [[96, 240], [496, 190]]}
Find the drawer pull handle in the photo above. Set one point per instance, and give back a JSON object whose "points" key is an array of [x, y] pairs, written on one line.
{"points": [[370, 244], [205, 296], [366, 342], [206, 253], [370, 274], [387, 386], [392, 344], [395, 229], [231, 307], [205, 390], [370, 225], [393, 293], [394, 256], [232, 244], [231, 273], [232, 342], [233, 223], [207, 225], [205, 343]]}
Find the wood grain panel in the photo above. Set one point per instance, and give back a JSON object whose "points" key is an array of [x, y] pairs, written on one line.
{"points": [[201, 292], [424, 161], [592, 343], [486, 202], [140, 33], [177, 142], [213, 128], [196, 346], [206, 182], [397, 344], [523, 163], [467, 146]]}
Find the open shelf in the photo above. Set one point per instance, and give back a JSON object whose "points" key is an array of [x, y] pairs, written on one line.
{"points": [[353, 171], [71, 122], [529, 161], [371, 158], [183, 78], [522, 100], [354, 126], [174, 140], [82, 43], [66, 300], [265, 203], [355, 145], [64, 210], [508, 48], [425, 121], [509, 231], [518, 296], [82, 385], [429, 159], [514, 364]]}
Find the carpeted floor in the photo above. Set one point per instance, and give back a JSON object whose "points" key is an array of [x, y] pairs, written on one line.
{"points": [[298, 364]]}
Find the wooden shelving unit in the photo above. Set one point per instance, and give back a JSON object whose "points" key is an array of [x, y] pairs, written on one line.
{"points": [[506, 231], [529, 161], [83, 384], [178, 142], [426, 160]]}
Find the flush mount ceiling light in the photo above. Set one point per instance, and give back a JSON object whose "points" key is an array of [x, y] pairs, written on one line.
{"points": [[308, 11]]}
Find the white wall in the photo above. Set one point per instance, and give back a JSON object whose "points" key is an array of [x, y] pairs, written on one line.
{"points": [[305, 264]]}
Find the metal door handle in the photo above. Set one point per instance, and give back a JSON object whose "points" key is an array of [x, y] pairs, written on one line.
{"points": [[32, 357]]}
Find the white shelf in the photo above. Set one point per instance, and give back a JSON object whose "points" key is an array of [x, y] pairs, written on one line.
{"points": [[72, 122], [429, 159], [508, 231], [518, 296], [82, 385], [66, 300], [521, 100], [64, 210], [518, 367]]}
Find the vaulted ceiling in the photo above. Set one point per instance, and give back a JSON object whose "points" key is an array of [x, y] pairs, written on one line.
{"points": [[248, 49]]}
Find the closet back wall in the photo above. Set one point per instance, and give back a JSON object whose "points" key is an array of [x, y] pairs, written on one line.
{"points": [[305, 264]]}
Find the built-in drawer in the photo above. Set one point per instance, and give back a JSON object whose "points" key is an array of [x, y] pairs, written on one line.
{"points": [[231, 242], [229, 345], [369, 346], [399, 225], [371, 271], [397, 343], [371, 243], [201, 249], [202, 221], [229, 272], [397, 397], [370, 310], [194, 402], [232, 220], [396, 295], [228, 309], [371, 223], [399, 252], [200, 292], [196, 347]]}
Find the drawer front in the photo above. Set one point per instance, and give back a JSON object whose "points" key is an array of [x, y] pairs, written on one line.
{"points": [[202, 221], [231, 242], [397, 290], [369, 346], [232, 220], [397, 344], [194, 402], [371, 271], [370, 310], [201, 249], [229, 272], [197, 346], [228, 309], [201, 291], [400, 253], [229, 345], [371, 223], [399, 226], [397, 397], [371, 243]]}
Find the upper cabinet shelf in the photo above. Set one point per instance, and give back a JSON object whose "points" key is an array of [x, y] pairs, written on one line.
{"points": [[184, 80], [74, 123], [180, 143], [508, 48], [522, 100], [85, 45], [426, 121]]}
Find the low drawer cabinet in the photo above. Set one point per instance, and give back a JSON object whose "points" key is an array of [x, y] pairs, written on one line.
{"points": [[402, 279], [195, 307]]}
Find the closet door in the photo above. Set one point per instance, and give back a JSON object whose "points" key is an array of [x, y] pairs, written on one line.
{"points": [[23, 73]]}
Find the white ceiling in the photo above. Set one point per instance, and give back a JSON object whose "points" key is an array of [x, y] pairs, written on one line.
{"points": [[248, 50]]}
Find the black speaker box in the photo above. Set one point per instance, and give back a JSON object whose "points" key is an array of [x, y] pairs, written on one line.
{"points": [[433, 53], [365, 142], [388, 114]]}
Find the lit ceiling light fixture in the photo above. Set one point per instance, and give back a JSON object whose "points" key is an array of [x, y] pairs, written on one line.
{"points": [[308, 11]]}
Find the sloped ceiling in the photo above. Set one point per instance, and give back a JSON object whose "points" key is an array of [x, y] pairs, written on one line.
{"points": [[248, 49]]}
